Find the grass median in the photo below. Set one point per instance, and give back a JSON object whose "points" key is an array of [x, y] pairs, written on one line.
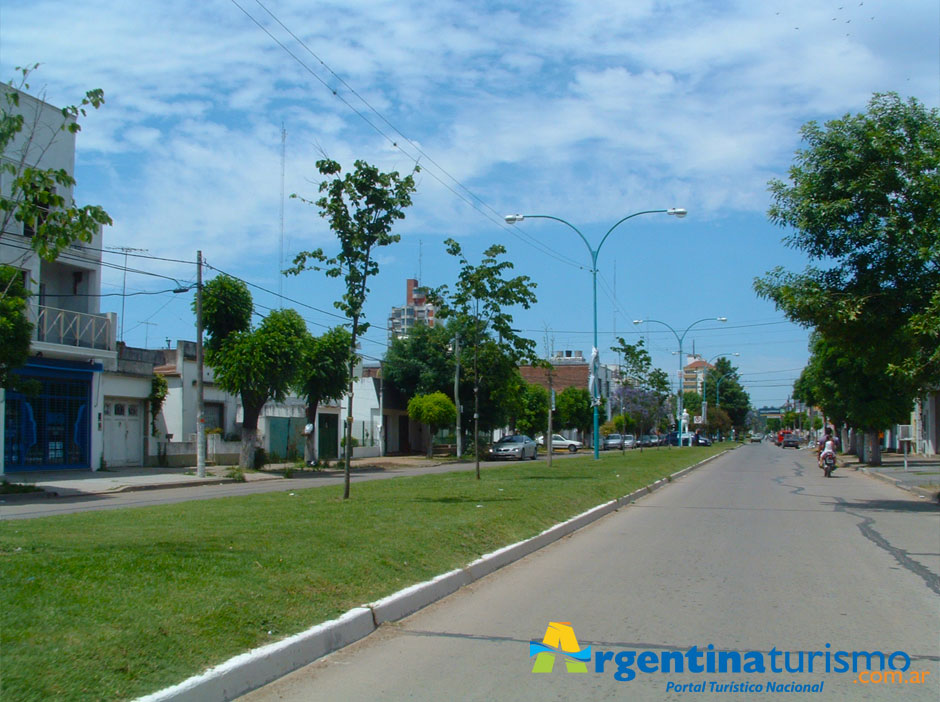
{"points": [[119, 603]]}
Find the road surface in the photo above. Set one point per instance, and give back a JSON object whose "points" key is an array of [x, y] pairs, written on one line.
{"points": [[755, 554]]}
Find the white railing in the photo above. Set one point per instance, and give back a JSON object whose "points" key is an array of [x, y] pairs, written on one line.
{"points": [[55, 326]]}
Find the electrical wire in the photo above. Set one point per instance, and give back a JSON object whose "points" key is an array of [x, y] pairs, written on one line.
{"points": [[472, 200]]}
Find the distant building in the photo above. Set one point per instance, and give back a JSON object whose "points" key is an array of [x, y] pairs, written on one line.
{"points": [[416, 310], [693, 374]]}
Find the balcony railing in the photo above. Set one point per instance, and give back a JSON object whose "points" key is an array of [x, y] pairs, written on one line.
{"points": [[55, 326]]}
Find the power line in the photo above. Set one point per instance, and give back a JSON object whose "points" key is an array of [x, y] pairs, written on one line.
{"points": [[473, 199]]}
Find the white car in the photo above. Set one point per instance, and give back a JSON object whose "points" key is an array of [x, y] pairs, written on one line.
{"points": [[560, 443]]}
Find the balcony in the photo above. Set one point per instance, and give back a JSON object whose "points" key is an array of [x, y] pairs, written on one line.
{"points": [[76, 329]]}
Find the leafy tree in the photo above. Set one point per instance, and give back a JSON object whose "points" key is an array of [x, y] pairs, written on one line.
{"points": [[258, 364], [774, 424], [436, 410], [478, 302], [422, 362], [15, 328], [532, 416], [322, 376], [574, 410], [723, 389], [718, 421], [37, 198], [361, 208], [863, 201]]}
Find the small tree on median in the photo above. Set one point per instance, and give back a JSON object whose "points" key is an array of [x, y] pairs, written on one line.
{"points": [[435, 410], [361, 207]]}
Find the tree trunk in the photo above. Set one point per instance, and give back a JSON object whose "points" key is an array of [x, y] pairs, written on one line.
{"points": [[872, 448], [246, 454], [430, 441], [310, 440]]}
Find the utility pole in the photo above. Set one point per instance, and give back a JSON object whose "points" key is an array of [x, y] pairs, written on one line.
{"points": [[476, 390], [457, 393], [200, 400], [551, 410]]}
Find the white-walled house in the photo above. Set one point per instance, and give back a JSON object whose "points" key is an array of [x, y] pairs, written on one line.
{"points": [[73, 344]]}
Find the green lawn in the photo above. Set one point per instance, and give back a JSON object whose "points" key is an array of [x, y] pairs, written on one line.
{"points": [[119, 603]]}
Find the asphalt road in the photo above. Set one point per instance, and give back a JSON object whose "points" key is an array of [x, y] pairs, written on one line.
{"points": [[755, 553], [159, 496]]}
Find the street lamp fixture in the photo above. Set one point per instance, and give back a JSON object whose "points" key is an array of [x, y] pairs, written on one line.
{"points": [[677, 212], [680, 338]]}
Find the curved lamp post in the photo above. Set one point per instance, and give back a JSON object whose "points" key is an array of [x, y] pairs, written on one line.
{"points": [[595, 390], [680, 339]]}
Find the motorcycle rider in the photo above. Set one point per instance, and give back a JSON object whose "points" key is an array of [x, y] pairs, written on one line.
{"points": [[826, 446]]}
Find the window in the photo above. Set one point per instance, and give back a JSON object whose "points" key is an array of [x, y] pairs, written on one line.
{"points": [[118, 409], [132, 410]]}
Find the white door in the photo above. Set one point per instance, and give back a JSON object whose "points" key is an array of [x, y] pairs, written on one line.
{"points": [[123, 432]]}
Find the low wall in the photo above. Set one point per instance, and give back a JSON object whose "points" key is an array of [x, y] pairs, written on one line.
{"points": [[179, 454]]}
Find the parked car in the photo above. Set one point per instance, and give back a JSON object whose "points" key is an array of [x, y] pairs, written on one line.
{"points": [[646, 440], [560, 443], [755, 438], [629, 441], [517, 446], [672, 438], [612, 441], [701, 440]]}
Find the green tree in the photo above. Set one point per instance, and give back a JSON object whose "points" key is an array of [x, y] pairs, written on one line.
{"points": [[436, 410], [532, 415], [258, 364], [723, 388], [479, 302], [361, 207], [863, 202], [574, 410], [15, 328], [421, 362], [322, 376], [37, 199]]}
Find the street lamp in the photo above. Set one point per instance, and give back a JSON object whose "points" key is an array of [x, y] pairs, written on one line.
{"points": [[595, 389], [680, 338]]}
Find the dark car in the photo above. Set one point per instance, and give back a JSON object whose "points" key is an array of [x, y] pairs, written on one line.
{"points": [[646, 440], [514, 446], [790, 441], [613, 441], [701, 440]]}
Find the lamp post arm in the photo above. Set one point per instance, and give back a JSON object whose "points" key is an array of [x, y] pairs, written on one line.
{"points": [[576, 230], [699, 321], [617, 224]]}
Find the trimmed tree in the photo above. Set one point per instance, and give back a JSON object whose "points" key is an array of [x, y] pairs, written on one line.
{"points": [[435, 410], [258, 364]]}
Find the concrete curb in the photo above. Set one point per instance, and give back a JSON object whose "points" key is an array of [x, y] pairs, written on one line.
{"points": [[249, 671], [932, 495], [259, 666]]}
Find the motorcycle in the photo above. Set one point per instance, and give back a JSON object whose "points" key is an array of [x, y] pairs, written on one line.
{"points": [[829, 464]]}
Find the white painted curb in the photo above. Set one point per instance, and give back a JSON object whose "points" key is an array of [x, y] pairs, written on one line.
{"points": [[260, 666], [251, 670]]}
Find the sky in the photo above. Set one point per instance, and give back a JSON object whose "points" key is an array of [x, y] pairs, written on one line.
{"points": [[216, 112]]}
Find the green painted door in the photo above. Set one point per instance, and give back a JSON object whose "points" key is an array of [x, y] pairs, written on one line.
{"points": [[328, 437]]}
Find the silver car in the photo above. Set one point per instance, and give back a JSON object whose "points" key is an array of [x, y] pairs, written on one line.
{"points": [[517, 446], [613, 441]]}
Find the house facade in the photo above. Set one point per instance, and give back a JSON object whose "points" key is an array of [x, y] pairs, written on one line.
{"points": [[57, 420]]}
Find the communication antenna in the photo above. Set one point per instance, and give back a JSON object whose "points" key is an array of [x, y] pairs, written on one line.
{"points": [[280, 261]]}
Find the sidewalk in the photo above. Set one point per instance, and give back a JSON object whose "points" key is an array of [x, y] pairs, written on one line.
{"points": [[921, 477], [71, 483]]}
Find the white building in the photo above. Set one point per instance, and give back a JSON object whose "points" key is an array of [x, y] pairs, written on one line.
{"points": [[63, 425]]}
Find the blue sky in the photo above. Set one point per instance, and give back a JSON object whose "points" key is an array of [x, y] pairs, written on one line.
{"points": [[584, 111]]}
